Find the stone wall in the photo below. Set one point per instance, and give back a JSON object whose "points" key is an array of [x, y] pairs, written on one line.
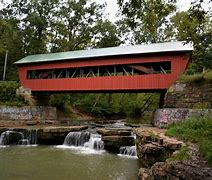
{"points": [[24, 114], [165, 116], [190, 95], [183, 101]]}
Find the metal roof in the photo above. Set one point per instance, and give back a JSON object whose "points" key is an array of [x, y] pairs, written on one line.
{"points": [[112, 51]]}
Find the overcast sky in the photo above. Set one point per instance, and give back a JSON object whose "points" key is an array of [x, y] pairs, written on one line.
{"points": [[112, 7]]}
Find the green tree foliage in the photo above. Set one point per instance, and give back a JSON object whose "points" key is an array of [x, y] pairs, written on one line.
{"points": [[157, 21], [195, 25], [106, 34], [112, 105], [147, 19], [73, 26], [10, 41], [34, 17], [41, 26]]}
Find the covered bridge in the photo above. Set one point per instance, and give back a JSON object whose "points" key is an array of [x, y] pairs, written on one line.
{"points": [[138, 68]]}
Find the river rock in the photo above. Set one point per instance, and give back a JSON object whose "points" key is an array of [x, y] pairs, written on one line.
{"points": [[62, 129], [153, 146], [176, 170], [113, 143], [32, 123], [56, 135], [112, 132]]}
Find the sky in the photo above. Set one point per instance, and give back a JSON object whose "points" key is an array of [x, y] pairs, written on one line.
{"points": [[112, 7]]}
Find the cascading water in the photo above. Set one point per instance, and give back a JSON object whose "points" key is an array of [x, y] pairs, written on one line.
{"points": [[95, 142], [85, 140], [11, 137], [128, 150], [3, 138], [76, 138], [32, 137], [14, 137]]}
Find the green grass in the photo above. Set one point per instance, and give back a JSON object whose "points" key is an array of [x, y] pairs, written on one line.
{"points": [[196, 78], [196, 130], [208, 75], [181, 155]]}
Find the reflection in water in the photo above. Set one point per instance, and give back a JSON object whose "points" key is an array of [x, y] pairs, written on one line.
{"points": [[48, 162]]}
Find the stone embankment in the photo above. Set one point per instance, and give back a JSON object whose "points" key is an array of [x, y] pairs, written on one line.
{"points": [[183, 101], [154, 149], [164, 117], [189, 95], [18, 116]]}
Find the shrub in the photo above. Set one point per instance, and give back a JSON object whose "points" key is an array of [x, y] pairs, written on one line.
{"points": [[8, 94]]}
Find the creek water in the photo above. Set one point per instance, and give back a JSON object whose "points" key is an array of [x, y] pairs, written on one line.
{"points": [[58, 163]]}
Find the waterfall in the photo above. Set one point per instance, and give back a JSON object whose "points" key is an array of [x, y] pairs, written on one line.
{"points": [[14, 137], [76, 138], [86, 140], [95, 142], [3, 138], [11, 137], [32, 137], [128, 150]]}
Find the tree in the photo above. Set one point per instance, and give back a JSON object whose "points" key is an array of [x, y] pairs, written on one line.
{"points": [[106, 35], [147, 19], [35, 18], [10, 40], [73, 25], [195, 25]]}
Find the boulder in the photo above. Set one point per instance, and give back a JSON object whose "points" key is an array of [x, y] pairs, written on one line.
{"points": [[177, 170], [145, 174], [153, 146]]}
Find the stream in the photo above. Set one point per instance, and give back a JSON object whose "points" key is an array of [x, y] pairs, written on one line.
{"points": [[81, 156], [62, 163]]}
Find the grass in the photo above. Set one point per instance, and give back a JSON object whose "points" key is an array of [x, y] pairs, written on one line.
{"points": [[196, 130], [181, 155], [196, 78]]}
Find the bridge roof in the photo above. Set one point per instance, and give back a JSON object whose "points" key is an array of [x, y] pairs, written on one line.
{"points": [[106, 52]]}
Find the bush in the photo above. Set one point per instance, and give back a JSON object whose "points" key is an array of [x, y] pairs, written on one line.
{"points": [[8, 94]]}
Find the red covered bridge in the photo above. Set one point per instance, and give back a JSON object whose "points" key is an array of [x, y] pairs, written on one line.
{"points": [[152, 67]]}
